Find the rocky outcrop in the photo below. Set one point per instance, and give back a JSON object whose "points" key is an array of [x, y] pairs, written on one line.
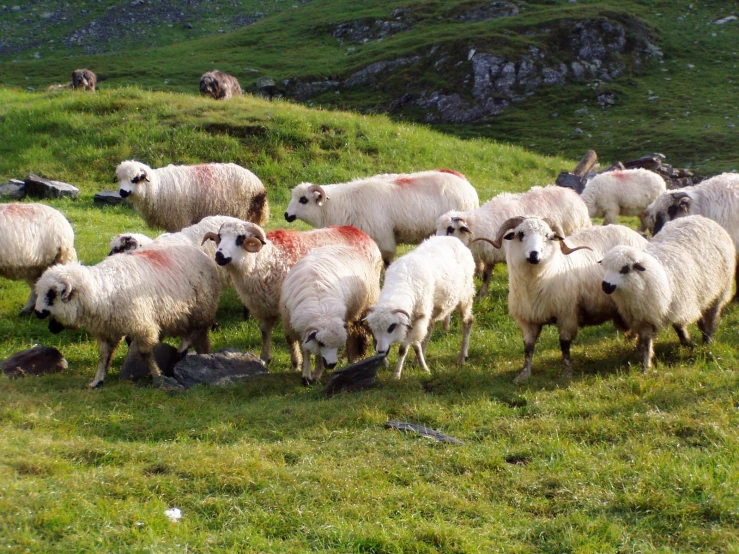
{"points": [[38, 187], [365, 30], [491, 11]]}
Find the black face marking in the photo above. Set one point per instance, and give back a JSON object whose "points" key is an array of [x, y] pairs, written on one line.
{"points": [[672, 211], [659, 222], [240, 240], [391, 328], [303, 200], [624, 270], [138, 179], [520, 235], [50, 297], [321, 344], [450, 230], [510, 236], [639, 267]]}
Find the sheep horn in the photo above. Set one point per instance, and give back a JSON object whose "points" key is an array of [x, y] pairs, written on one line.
{"points": [[406, 314], [508, 224], [458, 219], [566, 250], [554, 227], [318, 188], [257, 232], [211, 236], [67, 292]]}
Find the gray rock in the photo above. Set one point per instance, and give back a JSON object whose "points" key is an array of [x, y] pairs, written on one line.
{"points": [[553, 77], [109, 198], [725, 20], [357, 376], [13, 190], [491, 11], [38, 187], [135, 369], [220, 368], [504, 83], [368, 74], [485, 69], [38, 360]]}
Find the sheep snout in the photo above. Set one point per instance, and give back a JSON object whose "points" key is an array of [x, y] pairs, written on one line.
{"points": [[124, 193], [221, 259], [43, 314], [607, 287], [533, 257], [55, 327], [290, 218]]}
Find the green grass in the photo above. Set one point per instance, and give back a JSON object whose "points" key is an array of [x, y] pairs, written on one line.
{"points": [[614, 461]]}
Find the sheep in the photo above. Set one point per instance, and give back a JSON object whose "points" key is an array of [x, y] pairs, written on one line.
{"points": [[423, 287], [684, 275], [716, 198], [219, 85], [323, 300], [84, 79], [258, 263], [624, 192], [33, 237], [391, 208], [176, 196], [547, 286], [561, 205], [126, 242], [144, 295]]}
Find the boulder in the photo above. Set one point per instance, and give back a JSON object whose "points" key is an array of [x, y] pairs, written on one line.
{"points": [[38, 360], [224, 367], [38, 187], [135, 369], [109, 198], [13, 190], [357, 376]]}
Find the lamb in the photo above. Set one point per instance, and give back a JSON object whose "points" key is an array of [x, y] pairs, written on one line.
{"points": [[84, 79], [176, 196], [390, 208], [421, 288], [716, 198], [126, 242], [33, 237], [561, 205], [323, 300], [547, 286], [219, 85], [144, 295], [624, 192], [258, 263], [684, 275]]}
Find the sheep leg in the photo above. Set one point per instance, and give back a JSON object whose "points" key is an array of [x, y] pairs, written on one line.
{"points": [[31, 302], [424, 343], [402, 352], [105, 356], [736, 280], [418, 348], [530, 336], [296, 357], [266, 326], [645, 346], [201, 341], [708, 323], [467, 319], [487, 274], [611, 217], [683, 335], [319, 368], [306, 367]]}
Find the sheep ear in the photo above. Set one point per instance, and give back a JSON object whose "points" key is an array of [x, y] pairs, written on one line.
{"points": [[639, 267], [310, 337], [465, 229], [211, 236], [146, 177], [318, 197]]}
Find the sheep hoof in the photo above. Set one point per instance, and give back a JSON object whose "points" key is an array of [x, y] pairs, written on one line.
{"points": [[307, 382], [522, 377], [26, 311], [167, 384], [95, 384]]}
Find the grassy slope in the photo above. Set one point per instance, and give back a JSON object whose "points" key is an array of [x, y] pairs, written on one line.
{"points": [[689, 121], [613, 462]]}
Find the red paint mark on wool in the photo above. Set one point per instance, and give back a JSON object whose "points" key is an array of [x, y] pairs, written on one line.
{"points": [[452, 172], [19, 210], [351, 234], [288, 242], [204, 174], [618, 174], [402, 181], [157, 258]]}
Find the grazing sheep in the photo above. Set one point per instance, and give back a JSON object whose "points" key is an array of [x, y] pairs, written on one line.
{"points": [[684, 275], [624, 192], [33, 237], [421, 288], [219, 85], [390, 208], [176, 196], [716, 198], [144, 295], [323, 300], [561, 205], [126, 242], [547, 286], [258, 263], [84, 79]]}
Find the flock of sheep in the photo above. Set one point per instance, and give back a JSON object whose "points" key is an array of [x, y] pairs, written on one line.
{"points": [[325, 284]]}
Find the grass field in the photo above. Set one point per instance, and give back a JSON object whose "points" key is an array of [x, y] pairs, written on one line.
{"points": [[614, 461]]}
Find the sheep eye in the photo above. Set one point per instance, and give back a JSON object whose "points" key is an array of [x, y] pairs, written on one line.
{"points": [[240, 240], [624, 270], [391, 328], [50, 297], [303, 200], [450, 230]]}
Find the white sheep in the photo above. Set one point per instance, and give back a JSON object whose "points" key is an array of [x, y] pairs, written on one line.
{"points": [[390, 208], [126, 242], [176, 196], [622, 192], [684, 275], [561, 205], [144, 295], [258, 263], [33, 237], [423, 287], [548, 286], [323, 300]]}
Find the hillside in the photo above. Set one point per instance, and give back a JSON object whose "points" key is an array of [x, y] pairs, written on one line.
{"points": [[555, 76]]}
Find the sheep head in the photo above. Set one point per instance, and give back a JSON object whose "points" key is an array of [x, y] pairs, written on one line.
{"points": [[454, 224], [132, 178], [306, 204], [324, 339], [57, 292], [237, 239], [390, 325], [670, 206]]}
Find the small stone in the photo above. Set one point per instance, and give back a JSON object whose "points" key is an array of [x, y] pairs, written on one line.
{"points": [[578, 131], [581, 111], [653, 98], [37, 56], [187, 25], [730, 125], [39, 360], [15, 9], [13, 190], [109, 198], [725, 20]]}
